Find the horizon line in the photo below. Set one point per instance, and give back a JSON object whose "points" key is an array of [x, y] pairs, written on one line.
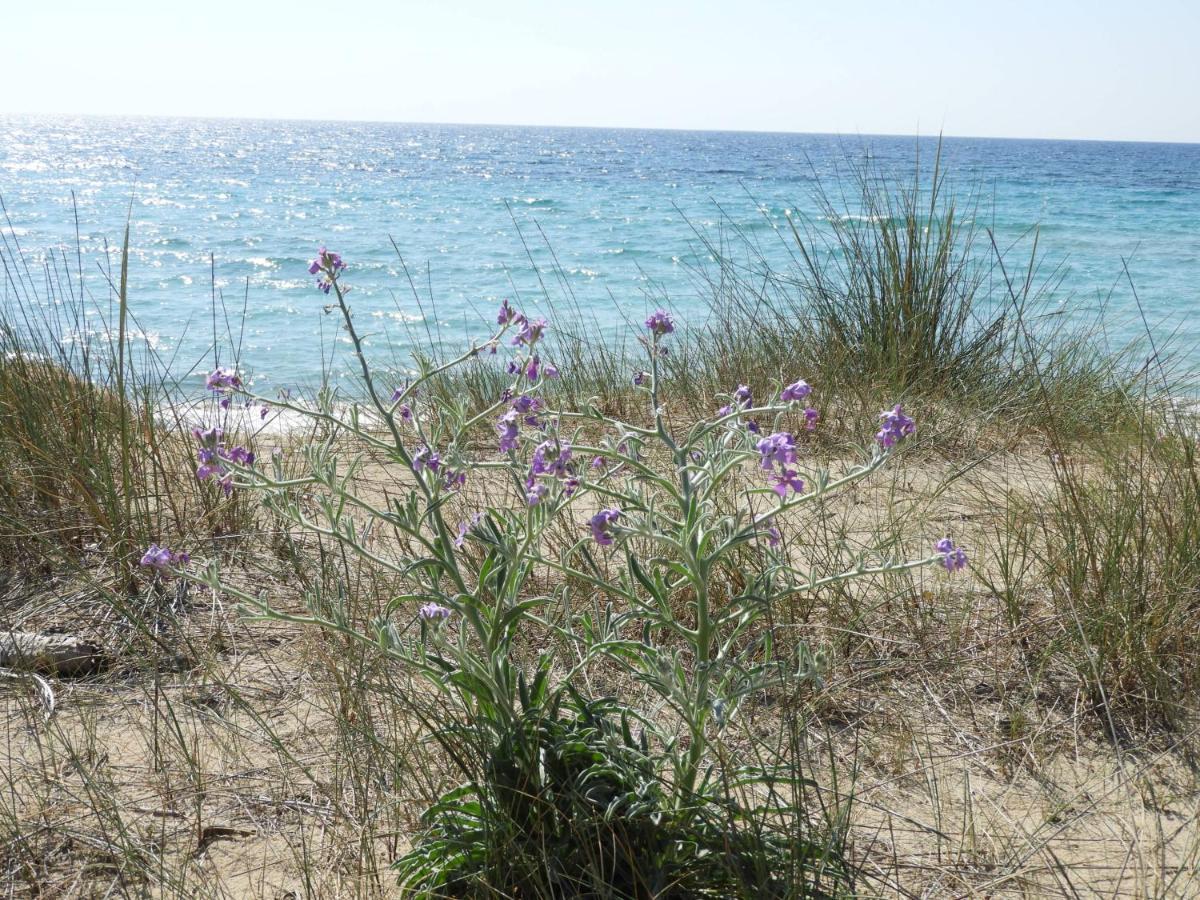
{"points": [[838, 134]]}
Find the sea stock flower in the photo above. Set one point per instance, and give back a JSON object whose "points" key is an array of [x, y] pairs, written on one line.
{"points": [[465, 527], [159, 558], [530, 332], [660, 322], [797, 390], [778, 449], [506, 314], [952, 557], [425, 458], [509, 430], [601, 525], [787, 478], [325, 267], [535, 492], [431, 612], [895, 427], [811, 417], [551, 458], [640, 378], [222, 380]]}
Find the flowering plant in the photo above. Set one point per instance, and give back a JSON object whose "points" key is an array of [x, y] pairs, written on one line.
{"points": [[640, 525]]}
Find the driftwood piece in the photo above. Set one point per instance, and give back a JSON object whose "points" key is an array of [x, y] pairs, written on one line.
{"points": [[52, 654]]}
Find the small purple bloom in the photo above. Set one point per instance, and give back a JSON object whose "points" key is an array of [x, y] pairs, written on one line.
{"points": [[550, 371], [530, 332], [506, 314], [531, 368], [601, 525], [551, 458], [325, 267], [535, 493], [797, 390], [431, 612], [159, 558], [895, 426], [779, 448], [598, 462], [773, 536], [223, 380], [953, 558], [753, 427], [742, 396], [509, 431], [426, 458], [811, 416], [660, 322], [787, 478]]}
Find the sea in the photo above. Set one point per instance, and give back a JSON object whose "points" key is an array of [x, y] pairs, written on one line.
{"points": [[438, 223]]}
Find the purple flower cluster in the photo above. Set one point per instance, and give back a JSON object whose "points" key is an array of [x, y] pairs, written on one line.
{"points": [[159, 558], [524, 409], [778, 454], [551, 461], [953, 558], [797, 390], [221, 380], [427, 458], [464, 528], [213, 456], [660, 322], [325, 267], [433, 612], [895, 427], [602, 524], [742, 399]]}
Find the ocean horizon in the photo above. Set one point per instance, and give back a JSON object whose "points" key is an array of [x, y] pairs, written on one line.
{"points": [[605, 223]]}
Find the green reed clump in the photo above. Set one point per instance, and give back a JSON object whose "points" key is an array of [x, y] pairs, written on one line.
{"points": [[1122, 557]]}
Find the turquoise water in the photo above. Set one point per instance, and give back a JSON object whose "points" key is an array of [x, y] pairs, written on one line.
{"points": [[611, 218]]}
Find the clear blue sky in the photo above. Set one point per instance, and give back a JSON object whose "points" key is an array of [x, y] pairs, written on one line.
{"points": [[1055, 68]]}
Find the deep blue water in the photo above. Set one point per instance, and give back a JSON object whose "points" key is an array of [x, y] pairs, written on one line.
{"points": [[620, 209]]}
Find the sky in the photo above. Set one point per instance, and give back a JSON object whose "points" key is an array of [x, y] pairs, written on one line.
{"points": [[1099, 69]]}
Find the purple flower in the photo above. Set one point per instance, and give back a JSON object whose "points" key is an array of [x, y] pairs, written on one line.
{"points": [[550, 371], [465, 527], [509, 431], [787, 478], [222, 380], [660, 322], [797, 390], [325, 267], [779, 448], [405, 412], [953, 558], [640, 378], [159, 558], [535, 493], [531, 368], [530, 332], [810, 419], [551, 458], [506, 314], [453, 479], [598, 462], [773, 536], [263, 410], [742, 396], [426, 458], [896, 426], [601, 524], [433, 612], [753, 427]]}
